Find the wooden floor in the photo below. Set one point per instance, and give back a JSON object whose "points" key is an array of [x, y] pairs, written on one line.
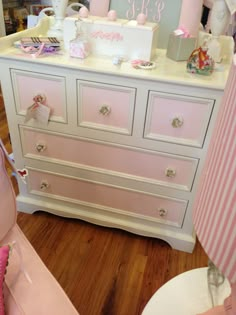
{"points": [[104, 271]]}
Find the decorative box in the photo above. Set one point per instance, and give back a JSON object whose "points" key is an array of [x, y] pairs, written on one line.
{"points": [[115, 38], [79, 48], [180, 48]]}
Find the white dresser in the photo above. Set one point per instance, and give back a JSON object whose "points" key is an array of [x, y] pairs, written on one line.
{"points": [[124, 148]]}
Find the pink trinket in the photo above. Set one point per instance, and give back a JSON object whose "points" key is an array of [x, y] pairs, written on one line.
{"points": [[111, 15], [141, 19], [79, 48]]}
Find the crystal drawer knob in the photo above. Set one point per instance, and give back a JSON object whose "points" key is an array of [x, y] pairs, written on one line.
{"points": [[177, 122], [39, 98], [44, 185], [170, 172], [40, 147], [105, 110], [162, 212]]}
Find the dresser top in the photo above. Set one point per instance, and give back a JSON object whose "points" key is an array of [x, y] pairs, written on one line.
{"points": [[166, 70]]}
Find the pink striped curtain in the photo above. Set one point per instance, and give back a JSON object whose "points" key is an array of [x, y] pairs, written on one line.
{"points": [[214, 213]]}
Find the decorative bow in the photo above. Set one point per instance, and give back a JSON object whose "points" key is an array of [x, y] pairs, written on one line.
{"points": [[182, 31]]}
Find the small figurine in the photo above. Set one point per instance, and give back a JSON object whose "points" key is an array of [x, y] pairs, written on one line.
{"points": [[79, 47], [20, 26], [200, 62]]}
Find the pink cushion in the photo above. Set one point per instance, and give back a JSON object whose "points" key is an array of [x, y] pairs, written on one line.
{"points": [[4, 254]]}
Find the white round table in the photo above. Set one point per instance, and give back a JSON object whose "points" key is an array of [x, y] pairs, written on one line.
{"points": [[186, 294]]}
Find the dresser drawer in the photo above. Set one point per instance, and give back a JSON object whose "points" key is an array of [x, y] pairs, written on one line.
{"points": [[156, 208], [160, 168], [105, 107], [27, 85], [177, 118]]}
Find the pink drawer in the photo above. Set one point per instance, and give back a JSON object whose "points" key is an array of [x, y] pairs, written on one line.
{"points": [[177, 118], [159, 168], [27, 85], [160, 208], [105, 107]]}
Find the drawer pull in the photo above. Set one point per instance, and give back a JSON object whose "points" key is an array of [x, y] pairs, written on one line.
{"points": [[177, 122], [105, 110], [40, 147], [162, 212], [39, 98], [44, 185], [170, 172]]}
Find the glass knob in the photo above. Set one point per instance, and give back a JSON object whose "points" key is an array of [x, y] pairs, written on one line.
{"points": [[39, 98], [40, 147], [44, 185], [105, 110], [170, 173], [177, 122], [162, 212]]}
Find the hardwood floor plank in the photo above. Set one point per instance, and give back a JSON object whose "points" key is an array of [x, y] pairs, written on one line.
{"points": [[104, 271]]}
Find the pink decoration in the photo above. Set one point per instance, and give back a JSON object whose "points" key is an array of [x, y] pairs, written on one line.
{"points": [[160, 7], [135, 7], [214, 211], [33, 51], [141, 19], [130, 14], [107, 35], [111, 15], [79, 48], [190, 16], [144, 8], [83, 12], [182, 31]]}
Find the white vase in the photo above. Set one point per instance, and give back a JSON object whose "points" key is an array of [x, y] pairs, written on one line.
{"points": [[59, 8], [220, 17], [219, 21]]}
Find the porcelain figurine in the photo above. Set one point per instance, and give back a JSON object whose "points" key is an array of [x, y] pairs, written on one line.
{"points": [[200, 62]]}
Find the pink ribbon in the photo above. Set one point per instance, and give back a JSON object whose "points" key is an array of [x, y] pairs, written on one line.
{"points": [[36, 51], [182, 31]]}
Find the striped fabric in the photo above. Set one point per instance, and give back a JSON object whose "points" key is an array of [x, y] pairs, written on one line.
{"points": [[214, 213]]}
